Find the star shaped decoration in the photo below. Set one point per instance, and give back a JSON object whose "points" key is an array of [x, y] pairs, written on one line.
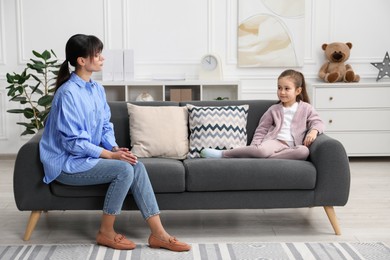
{"points": [[384, 67]]}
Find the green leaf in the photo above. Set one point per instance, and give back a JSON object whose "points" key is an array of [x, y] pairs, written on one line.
{"points": [[28, 113], [28, 125], [35, 62], [21, 78], [40, 92], [46, 55], [51, 50], [51, 63], [20, 89], [20, 99], [16, 111], [24, 73], [37, 79], [37, 54], [45, 100], [11, 91], [10, 78], [37, 66], [28, 132], [36, 89]]}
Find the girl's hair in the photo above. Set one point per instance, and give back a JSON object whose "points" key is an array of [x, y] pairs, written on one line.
{"points": [[79, 45], [299, 82]]}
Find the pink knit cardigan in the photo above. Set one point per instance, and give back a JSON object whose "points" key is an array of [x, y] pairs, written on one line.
{"points": [[305, 118]]}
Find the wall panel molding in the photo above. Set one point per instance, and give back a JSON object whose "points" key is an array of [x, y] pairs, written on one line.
{"points": [[21, 14], [2, 34], [231, 31], [210, 26], [125, 23], [354, 58], [207, 34], [3, 129], [19, 28], [311, 31], [106, 21]]}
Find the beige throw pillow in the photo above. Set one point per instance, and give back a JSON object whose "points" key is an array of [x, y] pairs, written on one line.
{"points": [[159, 131]]}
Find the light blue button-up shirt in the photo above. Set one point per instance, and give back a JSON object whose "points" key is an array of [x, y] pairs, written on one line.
{"points": [[77, 129]]}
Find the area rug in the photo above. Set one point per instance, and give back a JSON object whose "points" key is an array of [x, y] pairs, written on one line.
{"points": [[220, 251]]}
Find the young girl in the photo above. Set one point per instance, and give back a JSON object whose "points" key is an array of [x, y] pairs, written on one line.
{"points": [[78, 147], [286, 130]]}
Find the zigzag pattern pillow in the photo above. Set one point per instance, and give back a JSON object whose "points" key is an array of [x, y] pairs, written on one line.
{"points": [[219, 127]]}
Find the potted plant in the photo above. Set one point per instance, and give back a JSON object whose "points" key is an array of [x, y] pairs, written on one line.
{"points": [[34, 89]]}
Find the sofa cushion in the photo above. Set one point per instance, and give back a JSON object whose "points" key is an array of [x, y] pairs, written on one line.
{"points": [[159, 131], [248, 174], [120, 118], [166, 176], [218, 127], [256, 109]]}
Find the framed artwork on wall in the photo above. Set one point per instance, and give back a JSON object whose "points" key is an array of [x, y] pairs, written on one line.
{"points": [[271, 33]]}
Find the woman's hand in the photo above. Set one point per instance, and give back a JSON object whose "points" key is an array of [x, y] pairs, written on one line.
{"points": [[310, 137], [120, 153], [123, 154]]}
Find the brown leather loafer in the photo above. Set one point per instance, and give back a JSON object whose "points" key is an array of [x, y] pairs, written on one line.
{"points": [[119, 242], [173, 244]]}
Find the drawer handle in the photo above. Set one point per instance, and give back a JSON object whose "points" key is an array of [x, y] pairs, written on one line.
{"points": [[330, 98], [330, 121]]}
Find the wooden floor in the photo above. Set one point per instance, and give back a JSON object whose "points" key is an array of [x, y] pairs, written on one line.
{"points": [[365, 218]]}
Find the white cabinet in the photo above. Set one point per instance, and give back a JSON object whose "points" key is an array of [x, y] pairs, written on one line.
{"points": [[356, 114], [168, 90]]}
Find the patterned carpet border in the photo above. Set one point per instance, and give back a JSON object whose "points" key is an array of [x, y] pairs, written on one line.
{"points": [[218, 251]]}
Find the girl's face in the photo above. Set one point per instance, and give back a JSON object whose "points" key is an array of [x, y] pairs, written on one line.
{"points": [[287, 91]]}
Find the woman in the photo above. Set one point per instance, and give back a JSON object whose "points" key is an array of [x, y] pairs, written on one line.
{"points": [[78, 147]]}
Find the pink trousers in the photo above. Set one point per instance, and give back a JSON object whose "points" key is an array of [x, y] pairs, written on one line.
{"points": [[269, 149]]}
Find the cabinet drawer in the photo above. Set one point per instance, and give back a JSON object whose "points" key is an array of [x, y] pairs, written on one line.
{"points": [[364, 143], [371, 120], [344, 97]]}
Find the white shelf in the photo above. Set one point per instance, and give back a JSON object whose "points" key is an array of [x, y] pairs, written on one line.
{"points": [[161, 90]]}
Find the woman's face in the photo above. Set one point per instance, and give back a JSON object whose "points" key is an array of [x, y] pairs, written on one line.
{"points": [[95, 63]]}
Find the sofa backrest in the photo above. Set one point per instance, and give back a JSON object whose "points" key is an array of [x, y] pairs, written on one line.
{"points": [[120, 119]]}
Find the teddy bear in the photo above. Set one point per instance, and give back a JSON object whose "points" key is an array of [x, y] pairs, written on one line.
{"points": [[335, 69]]}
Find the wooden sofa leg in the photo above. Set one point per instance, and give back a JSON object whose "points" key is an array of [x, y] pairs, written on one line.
{"points": [[32, 222], [333, 219]]}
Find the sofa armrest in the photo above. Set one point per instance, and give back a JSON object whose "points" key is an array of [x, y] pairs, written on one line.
{"points": [[333, 174], [30, 192]]}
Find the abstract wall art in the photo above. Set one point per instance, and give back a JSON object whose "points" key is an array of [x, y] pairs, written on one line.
{"points": [[271, 33]]}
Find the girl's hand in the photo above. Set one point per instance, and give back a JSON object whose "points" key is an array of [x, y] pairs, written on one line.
{"points": [[310, 137]]}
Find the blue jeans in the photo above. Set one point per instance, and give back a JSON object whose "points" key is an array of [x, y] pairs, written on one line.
{"points": [[122, 176]]}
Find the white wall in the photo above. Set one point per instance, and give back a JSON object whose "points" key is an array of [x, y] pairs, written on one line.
{"points": [[171, 36]]}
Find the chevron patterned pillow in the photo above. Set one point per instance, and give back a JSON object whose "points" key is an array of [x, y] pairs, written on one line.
{"points": [[219, 127]]}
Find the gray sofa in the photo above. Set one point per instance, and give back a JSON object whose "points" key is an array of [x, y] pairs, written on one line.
{"points": [[191, 184]]}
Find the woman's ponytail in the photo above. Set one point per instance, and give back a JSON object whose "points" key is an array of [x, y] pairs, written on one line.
{"points": [[63, 74]]}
